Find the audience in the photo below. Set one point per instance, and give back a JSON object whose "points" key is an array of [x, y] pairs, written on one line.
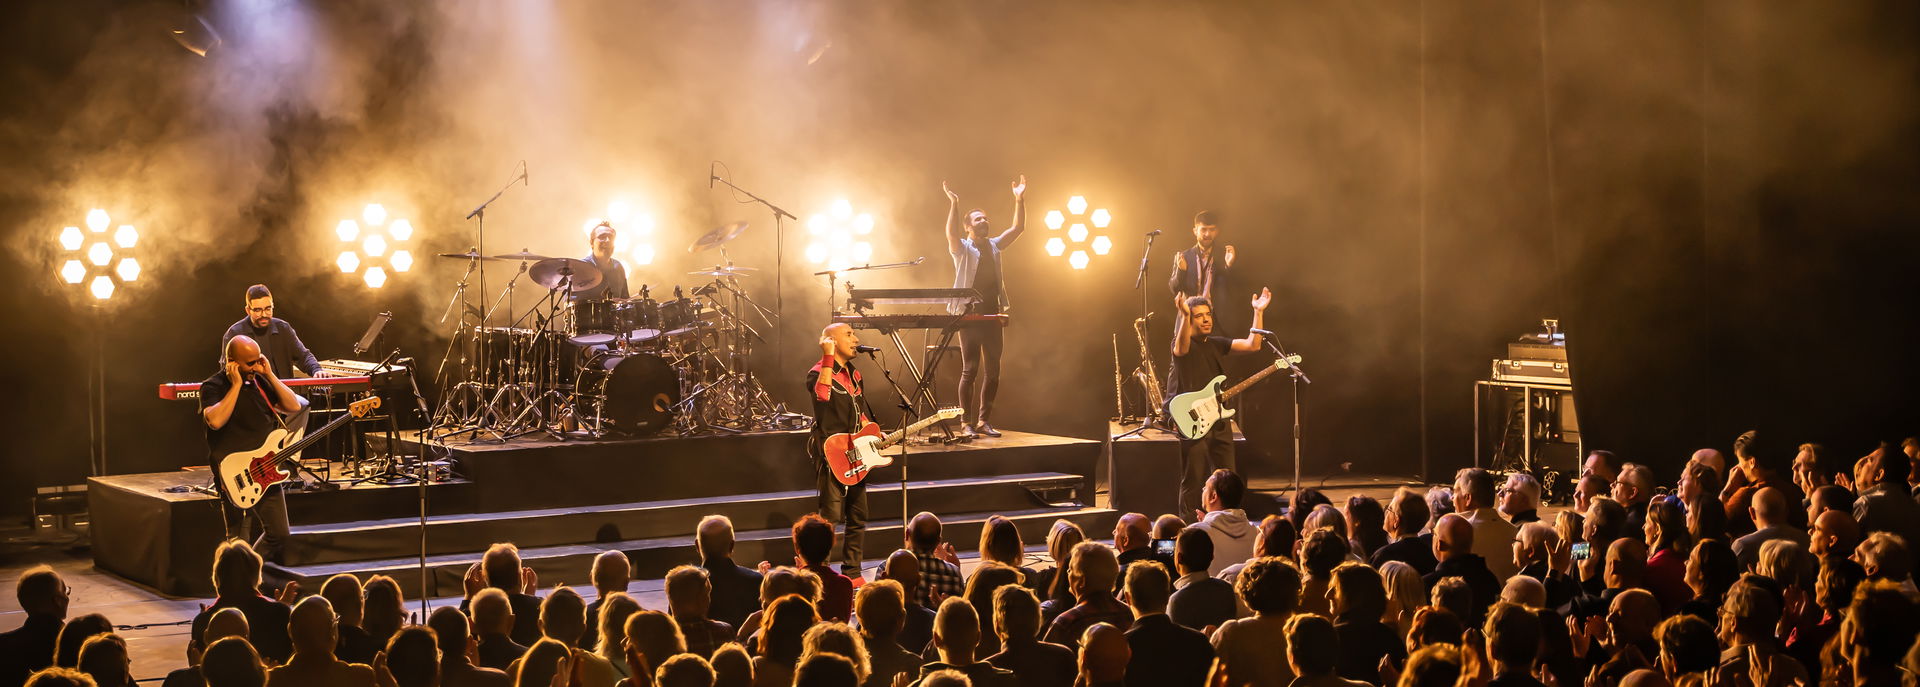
{"points": [[1199, 601], [236, 584], [1589, 487], [457, 649], [43, 597], [1016, 616], [311, 627], [493, 621], [1453, 539], [1520, 499], [1492, 534], [1270, 587], [1223, 519], [956, 633], [1687, 598], [499, 568], [736, 589], [612, 572], [1091, 573], [1162, 651], [1406, 517]]}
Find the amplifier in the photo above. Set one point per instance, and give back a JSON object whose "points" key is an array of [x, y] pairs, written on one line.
{"points": [[1533, 350], [1532, 371]]}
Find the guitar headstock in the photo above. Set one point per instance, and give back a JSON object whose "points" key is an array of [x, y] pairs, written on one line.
{"points": [[363, 406], [1286, 361], [949, 413]]}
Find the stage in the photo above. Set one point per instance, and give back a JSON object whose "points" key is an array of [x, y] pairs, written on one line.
{"points": [[564, 502]]}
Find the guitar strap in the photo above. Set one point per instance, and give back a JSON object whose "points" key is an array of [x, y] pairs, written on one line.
{"points": [[278, 417]]}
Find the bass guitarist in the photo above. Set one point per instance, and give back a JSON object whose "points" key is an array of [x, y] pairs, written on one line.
{"points": [[839, 406], [241, 405], [1198, 356]]}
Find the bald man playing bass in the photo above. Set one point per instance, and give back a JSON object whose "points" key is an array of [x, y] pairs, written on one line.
{"points": [[241, 404]]}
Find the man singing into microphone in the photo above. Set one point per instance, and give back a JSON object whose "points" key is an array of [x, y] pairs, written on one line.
{"points": [[839, 407], [977, 265], [1198, 356]]}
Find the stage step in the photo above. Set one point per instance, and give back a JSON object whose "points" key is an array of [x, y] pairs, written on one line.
{"points": [[653, 557], [457, 533]]}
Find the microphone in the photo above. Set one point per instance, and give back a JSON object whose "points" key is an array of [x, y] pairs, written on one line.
{"points": [[1155, 232], [1261, 332], [865, 349], [523, 173], [711, 177]]}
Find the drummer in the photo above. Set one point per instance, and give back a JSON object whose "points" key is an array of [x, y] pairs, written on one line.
{"points": [[613, 282]]}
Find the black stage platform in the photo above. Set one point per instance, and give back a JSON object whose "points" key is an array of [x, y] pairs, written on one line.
{"points": [[565, 502]]}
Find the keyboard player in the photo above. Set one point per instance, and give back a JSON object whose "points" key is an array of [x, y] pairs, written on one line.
{"points": [[977, 265], [278, 342]]}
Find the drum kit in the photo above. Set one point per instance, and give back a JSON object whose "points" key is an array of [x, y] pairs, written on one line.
{"points": [[578, 364]]}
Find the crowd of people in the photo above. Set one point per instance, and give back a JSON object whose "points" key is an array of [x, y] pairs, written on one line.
{"points": [[1773, 568]]}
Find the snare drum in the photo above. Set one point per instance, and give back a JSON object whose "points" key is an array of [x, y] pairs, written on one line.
{"points": [[594, 323]]}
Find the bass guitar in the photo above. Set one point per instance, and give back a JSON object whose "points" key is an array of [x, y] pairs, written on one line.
{"points": [[1195, 412], [247, 474], [852, 455]]}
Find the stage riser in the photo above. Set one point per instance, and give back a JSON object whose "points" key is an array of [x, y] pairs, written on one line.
{"points": [[320, 544], [654, 561], [574, 474]]}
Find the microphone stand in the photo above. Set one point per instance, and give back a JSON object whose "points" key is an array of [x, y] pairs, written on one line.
{"points": [[779, 253], [1295, 375], [907, 417], [1146, 311]]}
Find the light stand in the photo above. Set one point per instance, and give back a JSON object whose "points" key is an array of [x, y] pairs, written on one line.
{"points": [[1296, 376]]}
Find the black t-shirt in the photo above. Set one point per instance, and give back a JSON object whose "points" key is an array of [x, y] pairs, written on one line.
{"points": [[1205, 359], [253, 416], [986, 277], [613, 282]]}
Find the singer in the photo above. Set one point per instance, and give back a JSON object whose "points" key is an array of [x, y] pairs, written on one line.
{"points": [[977, 265], [1198, 357], [839, 406]]}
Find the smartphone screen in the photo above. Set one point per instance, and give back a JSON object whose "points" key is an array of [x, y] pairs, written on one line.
{"points": [[1163, 547], [1582, 551]]}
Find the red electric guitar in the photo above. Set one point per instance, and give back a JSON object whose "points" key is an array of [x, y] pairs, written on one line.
{"points": [[853, 455]]}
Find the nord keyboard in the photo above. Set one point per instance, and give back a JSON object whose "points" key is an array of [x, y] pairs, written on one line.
{"points": [[190, 391], [865, 298]]}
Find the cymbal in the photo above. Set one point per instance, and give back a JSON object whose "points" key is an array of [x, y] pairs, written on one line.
{"points": [[718, 236], [522, 255], [553, 272], [469, 255], [726, 271]]}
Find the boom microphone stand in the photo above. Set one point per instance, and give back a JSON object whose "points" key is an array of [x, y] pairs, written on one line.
{"points": [[1296, 376], [1152, 416], [907, 417], [779, 252]]}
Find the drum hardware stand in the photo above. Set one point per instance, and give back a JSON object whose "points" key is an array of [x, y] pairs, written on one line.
{"points": [[390, 472], [499, 406], [461, 405], [519, 426]]}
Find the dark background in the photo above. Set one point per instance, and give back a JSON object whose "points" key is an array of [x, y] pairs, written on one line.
{"points": [[1716, 199]]}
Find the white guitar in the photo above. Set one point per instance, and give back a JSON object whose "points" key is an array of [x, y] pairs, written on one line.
{"points": [[247, 474], [1195, 412]]}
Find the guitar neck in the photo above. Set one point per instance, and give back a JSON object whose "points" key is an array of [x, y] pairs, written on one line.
{"points": [[899, 434], [314, 436], [1250, 381]]}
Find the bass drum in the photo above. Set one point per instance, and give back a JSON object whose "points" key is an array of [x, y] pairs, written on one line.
{"points": [[636, 392]]}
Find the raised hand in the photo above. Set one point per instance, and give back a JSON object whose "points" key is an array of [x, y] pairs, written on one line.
{"points": [[529, 580], [1560, 559], [382, 676], [952, 198], [1180, 261], [289, 593], [826, 345], [1229, 256], [946, 553], [233, 373], [1262, 299], [1019, 188], [1180, 304], [475, 580]]}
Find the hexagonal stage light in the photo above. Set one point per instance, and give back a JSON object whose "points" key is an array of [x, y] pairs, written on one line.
{"points": [[1086, 234], [373, 246], [103, 261], [833, 237]]}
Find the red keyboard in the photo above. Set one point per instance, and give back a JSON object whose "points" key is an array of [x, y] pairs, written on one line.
{"points": [[916, 320], [189, 391]]}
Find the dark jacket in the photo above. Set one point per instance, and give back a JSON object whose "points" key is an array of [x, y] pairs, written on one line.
{"points": [[266, 620], [1473, 569], [526, 618], [1416, 552], [1361, 646], [28, 648], [1039, 664], [1166, 654], [736, 590]]}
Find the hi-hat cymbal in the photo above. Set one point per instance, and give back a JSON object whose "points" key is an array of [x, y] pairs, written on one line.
{"points": [[469, 255], [553, 273], [726, 271], [718, 236], [522, 255]]}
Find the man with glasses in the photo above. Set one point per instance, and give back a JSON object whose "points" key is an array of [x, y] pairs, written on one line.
{"points": [[281, 345]]}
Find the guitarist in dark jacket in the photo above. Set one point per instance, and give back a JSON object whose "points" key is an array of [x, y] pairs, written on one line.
{"points": [[241, 405], [839, 406], [1198, 357]]}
